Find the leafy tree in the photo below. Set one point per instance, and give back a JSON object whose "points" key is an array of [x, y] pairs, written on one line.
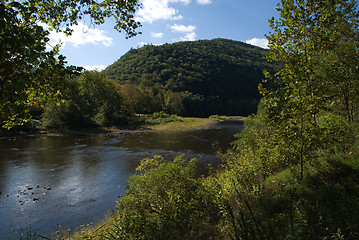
{"points": [[167, 201], [305, 38], [29, 74], [101, 103], [93, 100]]}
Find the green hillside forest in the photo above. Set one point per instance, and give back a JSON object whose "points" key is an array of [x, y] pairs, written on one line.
{"points": [[201, 78]]}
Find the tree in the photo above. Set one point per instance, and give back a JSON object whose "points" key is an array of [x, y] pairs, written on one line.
{"points": [[101, 102], [29, 74], [167, 201], [306, 37]]}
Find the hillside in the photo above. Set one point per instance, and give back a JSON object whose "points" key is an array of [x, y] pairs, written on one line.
{"points": [[216, 76]]}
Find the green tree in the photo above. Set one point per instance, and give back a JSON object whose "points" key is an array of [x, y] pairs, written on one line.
{"points": [[101, 103], [167, 201], [307, 34], [92, 100], [29, 74]]}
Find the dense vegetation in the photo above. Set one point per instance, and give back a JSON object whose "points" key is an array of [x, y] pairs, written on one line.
{"points": [[292, 173], [198, 78], [30, 74]]}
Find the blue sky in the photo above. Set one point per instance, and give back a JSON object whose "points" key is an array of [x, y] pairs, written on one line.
{"points": [[168, 21]]}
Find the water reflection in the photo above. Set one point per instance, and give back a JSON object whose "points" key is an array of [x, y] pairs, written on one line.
{"points": [[73, 180]]}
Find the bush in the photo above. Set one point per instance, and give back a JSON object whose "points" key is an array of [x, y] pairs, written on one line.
{"points": [[160, 114], [167, 201]]}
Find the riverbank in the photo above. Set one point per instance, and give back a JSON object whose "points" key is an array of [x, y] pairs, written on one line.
{"points": [[148, 124], [176, 123], [85, 172]]}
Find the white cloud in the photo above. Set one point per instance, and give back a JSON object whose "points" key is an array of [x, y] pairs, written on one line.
{"points": [[81, 35], [178, 17], [263, 43], [153, 10], [189, 30], [94, 67], [203, 2], [141, 44], [183, 28], [189, 37], [157, 35]]}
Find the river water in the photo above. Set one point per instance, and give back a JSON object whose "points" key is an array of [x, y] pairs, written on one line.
{"points": [[67, 181]]}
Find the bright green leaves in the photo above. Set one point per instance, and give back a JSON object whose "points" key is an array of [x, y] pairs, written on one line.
{"points": [[306, 38], [29, 73], [167, 201], [57, 14], [92, 101]]}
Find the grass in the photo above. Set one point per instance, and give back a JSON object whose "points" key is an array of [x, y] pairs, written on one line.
{"points": [[237, 118], [174, 123], [165, 122]]}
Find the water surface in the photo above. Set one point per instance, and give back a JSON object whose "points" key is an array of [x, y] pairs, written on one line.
{"points": [[68, 181]]}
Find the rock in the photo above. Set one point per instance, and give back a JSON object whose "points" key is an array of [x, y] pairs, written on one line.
{"points": [[35, 199]]}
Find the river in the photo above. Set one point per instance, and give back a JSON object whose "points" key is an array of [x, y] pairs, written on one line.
{"points": [[70, 180]]}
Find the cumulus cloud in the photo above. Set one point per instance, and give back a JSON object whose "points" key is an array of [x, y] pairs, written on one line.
{"points": [[153, 10], [183, 28], [157, 35], [189, 37], [203, 2], [94, 67], [81, 35], [263, 43], [178, 17], [189, 31]]}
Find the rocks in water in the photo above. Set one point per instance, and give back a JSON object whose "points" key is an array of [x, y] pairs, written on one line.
{"points": [[30, 193]]}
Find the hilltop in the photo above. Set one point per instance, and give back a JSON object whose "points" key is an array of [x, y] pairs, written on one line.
{"points": [[216, 76]]}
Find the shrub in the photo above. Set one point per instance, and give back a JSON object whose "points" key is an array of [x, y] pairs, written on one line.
{"points": [[167, 201]]}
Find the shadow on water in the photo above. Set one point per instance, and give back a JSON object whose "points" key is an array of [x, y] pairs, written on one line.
{"points": [[74, 180]]}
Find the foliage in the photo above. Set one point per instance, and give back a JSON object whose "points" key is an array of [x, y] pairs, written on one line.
{"points": [[305, 38], [201, 77], [92, 101], [147, 100], [255, 155], [292, 173], [57, 14], [29, 73], [167, 201]]}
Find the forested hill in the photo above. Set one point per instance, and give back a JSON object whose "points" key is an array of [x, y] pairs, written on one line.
{"points": [[216, 76]]}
